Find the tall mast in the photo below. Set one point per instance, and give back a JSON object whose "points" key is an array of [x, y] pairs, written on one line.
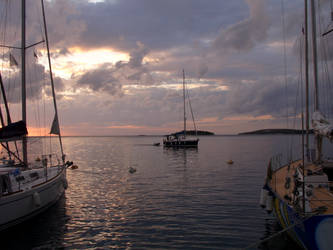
{"points": [[315, 75], [24, 115], [314, 53], [184, 104], [306, 48], [51, 77]]}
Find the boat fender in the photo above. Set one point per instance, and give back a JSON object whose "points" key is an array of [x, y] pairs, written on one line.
{"points": [[36, 199], [74, 167], [65, 183], [263, 197], [269, 203]]}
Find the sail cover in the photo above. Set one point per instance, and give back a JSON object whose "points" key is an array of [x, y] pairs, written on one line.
{"points": [[55, 126], [321, 126], [13, 130]]}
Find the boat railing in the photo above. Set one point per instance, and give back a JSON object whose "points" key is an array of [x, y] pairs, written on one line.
{"points": [[46, 160]]}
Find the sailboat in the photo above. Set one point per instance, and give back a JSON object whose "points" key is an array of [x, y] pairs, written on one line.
{"points": [[301, 192], [180, 139], [27, 186]]}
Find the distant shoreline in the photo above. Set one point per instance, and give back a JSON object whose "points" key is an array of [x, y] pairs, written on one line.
{"points": [[192, 133], [276, 131]]}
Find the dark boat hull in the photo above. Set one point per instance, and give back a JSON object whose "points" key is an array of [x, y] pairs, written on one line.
{"points": [[181, 143]]}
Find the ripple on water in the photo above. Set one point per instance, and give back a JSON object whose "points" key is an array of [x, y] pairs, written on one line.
{"points": [[178, 199]]}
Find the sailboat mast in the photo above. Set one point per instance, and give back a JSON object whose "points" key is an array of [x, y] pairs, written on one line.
{"points": [[184, 104], [314, 53], [315, 75], [51, 77], [24, 107], [306, 48]]}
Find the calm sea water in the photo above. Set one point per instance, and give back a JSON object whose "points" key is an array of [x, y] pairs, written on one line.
{"points": [[177, 198]]}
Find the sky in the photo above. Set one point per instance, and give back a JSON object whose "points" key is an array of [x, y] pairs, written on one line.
{"points": [[118, 64]]}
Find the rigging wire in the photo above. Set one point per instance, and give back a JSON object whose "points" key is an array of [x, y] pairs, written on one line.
{"points": [[3, 40], [190, 105], [44, 105], [37, 100], [12, 72], [325, 79], [299, 91], [302, 49], [6, 9], [285, 75]]}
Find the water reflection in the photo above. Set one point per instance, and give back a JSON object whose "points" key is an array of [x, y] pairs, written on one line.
{"points": [[178, 198], [181, 156]]}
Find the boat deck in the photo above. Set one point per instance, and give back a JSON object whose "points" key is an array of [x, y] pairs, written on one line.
{"points": [[318, 188]]}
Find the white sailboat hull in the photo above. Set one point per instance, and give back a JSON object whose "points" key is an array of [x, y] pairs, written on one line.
{"points": [[20, 206]]}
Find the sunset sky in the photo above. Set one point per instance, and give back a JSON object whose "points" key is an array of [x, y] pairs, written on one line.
{"points": [[118, 63]]}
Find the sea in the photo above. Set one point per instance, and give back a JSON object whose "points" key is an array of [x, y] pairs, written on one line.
{"points": [[176, 198]]}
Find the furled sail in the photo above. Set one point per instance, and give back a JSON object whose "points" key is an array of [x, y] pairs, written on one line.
{"points": [[321, 126], [13, 131], [55, 126]]}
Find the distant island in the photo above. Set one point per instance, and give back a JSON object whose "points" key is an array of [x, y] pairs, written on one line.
{"points": [[192, 132], [275, 131]]}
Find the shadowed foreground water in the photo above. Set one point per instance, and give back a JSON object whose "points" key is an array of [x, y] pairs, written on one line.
{"points": [[177, 198]]}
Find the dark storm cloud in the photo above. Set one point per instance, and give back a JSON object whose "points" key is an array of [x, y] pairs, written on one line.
{"points": [[101, 79], [157, 24]]}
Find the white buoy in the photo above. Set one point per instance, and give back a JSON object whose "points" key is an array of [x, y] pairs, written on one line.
{"points": [[269, 203], [263, 197], [36, 198]]}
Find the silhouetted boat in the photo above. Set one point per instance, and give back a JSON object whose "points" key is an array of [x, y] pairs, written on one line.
{"points": [[181, 139]]}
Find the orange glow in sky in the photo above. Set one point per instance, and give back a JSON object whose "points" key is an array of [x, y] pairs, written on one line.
{"points": [[78, 60]]}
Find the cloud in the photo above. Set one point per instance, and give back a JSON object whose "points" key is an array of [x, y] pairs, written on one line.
{"points": [[110, 78], [137, 55], [233, 50], [37, 80], [101, 79], [202, 69], [245, 34], [64, 22]]}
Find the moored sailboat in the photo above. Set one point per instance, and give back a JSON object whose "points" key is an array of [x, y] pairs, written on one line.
{"points": [[301, 192], [180, 139], [27, 186]]}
